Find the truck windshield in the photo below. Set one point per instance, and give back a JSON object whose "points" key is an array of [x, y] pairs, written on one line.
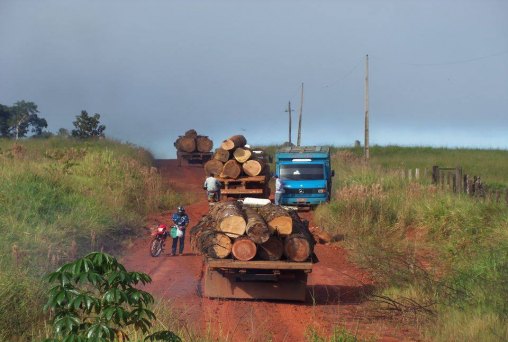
{"points": [[301, 172]]}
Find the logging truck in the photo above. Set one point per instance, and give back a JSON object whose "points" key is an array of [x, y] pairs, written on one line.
{"points": [[261, 253], [193, 148]]}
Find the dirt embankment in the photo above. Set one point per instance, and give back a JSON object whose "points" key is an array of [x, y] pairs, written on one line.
{"points": [[334, 291]]}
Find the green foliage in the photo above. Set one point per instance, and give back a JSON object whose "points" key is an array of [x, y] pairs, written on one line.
{"points": [[433, 254], [62, 198], [94, 298], [88, 126], [17, 120]]}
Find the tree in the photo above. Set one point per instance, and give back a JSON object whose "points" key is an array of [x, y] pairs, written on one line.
{"points": [[23, 116], [17, 120], [94, 299], [88, 126]]}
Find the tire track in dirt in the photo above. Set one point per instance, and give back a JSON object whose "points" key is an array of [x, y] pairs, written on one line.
{"points": [[334, 291]]}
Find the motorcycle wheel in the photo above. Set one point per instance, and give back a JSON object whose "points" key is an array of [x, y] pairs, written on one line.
{"points": [[156, 248]]}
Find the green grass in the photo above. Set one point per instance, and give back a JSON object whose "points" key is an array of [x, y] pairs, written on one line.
{"points": [[436, 256], [60, 199]]}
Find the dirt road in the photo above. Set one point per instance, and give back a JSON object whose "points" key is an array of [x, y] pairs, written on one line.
{"points": [[334, 291]]}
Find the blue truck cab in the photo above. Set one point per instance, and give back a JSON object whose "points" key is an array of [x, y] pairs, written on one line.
{"points": [[305, 174]]}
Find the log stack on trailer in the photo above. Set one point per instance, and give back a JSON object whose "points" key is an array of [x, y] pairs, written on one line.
{"points": [[263, 253], [244, 172], [193, 148]]}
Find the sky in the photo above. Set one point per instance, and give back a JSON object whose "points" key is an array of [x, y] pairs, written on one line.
{"points": [[438, 70]]}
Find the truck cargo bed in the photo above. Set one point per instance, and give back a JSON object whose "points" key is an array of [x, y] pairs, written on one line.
{"points": [[258, 279]]}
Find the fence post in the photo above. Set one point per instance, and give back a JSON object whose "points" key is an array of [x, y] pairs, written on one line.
{"points": [[435, 175], [458, 177], [417, 173], [409, 174]]}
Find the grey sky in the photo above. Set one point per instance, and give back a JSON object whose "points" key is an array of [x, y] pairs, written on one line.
{"points": [[153, 69]]}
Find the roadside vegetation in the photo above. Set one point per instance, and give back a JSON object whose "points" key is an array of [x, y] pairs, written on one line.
{"points": [[438, 258], [60, 199]]}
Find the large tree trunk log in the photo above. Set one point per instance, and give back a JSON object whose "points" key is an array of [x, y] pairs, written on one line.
{"points": [[271, 249], [206, 240], [277, 218], [229, 218], [253, 167], [213, 167], [203, 144], [234, 142], [191, 133], [242, 154], [185, 144], [244, 249], [299, 245], [256, 228], [231, 169], [222, 155]]}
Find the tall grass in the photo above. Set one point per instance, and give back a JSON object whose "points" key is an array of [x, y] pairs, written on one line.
{"points": [[60, 199], [439, 257]]}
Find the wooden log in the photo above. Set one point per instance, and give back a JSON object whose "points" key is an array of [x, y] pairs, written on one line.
{"points": [[277, 218], [257, 229], [233, 142], [297, 248], [207, 241], [273, 249], [185, 144], [300, 244], [253, 167], [231, 169], [213, 167], [203, 144], [191, 133], [222, 155], [244, 249], [229, 218], [242, 154]]}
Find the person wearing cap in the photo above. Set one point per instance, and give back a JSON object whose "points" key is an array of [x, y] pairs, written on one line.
{"points": [[181, 220], [279, 189]]}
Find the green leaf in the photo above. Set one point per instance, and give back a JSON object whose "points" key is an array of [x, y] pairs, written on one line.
{"points": [[165, 335]]}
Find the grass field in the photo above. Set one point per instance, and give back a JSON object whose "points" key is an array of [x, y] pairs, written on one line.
{"points": [[439, 258], [60, 199]]}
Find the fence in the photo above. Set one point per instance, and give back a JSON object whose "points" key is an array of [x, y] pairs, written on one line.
{"points": [[455, 180]]}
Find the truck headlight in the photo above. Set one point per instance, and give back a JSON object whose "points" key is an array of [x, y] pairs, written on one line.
{"points": [[321, 191]]}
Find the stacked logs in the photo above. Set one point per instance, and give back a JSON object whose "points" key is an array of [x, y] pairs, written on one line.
{"points": [[233, 160], [192, 142], [266, 233]]}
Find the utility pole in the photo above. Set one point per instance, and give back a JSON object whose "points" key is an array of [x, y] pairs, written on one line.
{"points": [[300, 120], [366, 151], [289, 112]]}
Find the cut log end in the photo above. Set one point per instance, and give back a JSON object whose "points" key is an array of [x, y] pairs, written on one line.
{"points": [[282, 224], [297, 248], [232, 226], [244, 249], [272, 249]]}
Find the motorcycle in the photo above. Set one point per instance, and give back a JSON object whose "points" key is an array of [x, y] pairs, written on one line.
{"points": [[160, 236]]}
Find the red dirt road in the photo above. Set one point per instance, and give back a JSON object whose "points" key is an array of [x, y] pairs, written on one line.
{"points": [[334, 289]]}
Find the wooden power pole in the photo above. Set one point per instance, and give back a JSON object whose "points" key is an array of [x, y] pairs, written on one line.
{"points": [[289, 112], [366, 147], [299, 140]]}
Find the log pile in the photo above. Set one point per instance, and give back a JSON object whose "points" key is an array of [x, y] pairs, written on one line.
{"points": [[192, 142], [230, 229], [233, 160]]}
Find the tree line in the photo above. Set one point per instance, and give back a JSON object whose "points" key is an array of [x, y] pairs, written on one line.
{"points": [[22, 120]]}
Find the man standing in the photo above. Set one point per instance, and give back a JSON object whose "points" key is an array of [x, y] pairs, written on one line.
{"points": [[181, 220], [212, 187], [279, 189]]}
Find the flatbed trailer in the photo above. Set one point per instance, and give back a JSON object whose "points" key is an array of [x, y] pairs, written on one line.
{"points": [[193, 157], [256, 279], [256, 186]]}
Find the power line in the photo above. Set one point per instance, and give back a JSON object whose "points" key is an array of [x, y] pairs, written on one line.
{"points": [[463, 61]]}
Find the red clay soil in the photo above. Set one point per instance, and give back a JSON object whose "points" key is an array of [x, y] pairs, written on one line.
{"points": [[334, 290]]}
